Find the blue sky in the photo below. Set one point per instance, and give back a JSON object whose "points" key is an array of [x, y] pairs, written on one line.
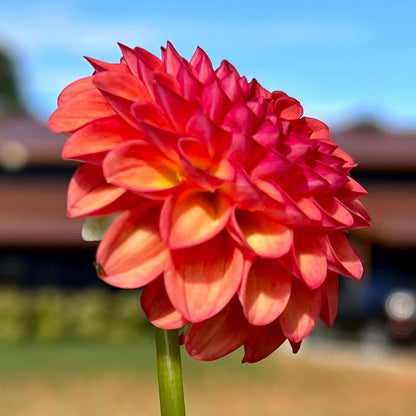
{"points": [[343, 60]]}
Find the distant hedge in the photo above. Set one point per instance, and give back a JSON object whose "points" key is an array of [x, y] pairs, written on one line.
{"points": [[51, 314]]}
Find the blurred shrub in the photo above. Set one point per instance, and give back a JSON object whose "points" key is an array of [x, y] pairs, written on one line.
{"points": [[51, 314]]}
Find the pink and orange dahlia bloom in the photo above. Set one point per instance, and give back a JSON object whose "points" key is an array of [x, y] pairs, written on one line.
{"points": [[231, 206]]}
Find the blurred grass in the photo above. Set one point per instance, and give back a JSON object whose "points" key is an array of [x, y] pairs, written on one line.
{"points": [[119, 379], [50, 314], [91, 353]]}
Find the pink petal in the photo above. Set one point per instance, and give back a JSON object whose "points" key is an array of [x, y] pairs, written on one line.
{"points": [[192, 217], [330, 294], [351, 190], [219, 335], [335, 212], [130, 58], [268, 134], [172, 60], [263, 341], [229, 81], [241, 119], [136, 166], [342, 256], [187, 78], [132, 253], [273, 164], [265, 236], [201, 280], [215, 103], [359, 213], [91, 142], [100, 66], [158, 308], [265, 292], [203, 66], [215, 139], [177, 108], [89, 193], [301, 313]]}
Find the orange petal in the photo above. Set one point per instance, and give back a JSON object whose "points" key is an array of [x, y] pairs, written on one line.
{"points": [[263, 341], [265, 292], [264, 235], [151, 113], [192, 217], [139, 167], [301, 313], [310, 258], [90, 194], [121, 84], [219, 335], [158, 308], [132, 253], [201, 280], [79, 110], [91, 142], [75, 88]]}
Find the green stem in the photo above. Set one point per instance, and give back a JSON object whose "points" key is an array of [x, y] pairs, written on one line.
{"points": [[169, 373]]}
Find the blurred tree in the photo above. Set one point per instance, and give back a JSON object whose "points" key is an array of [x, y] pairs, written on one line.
{"points": [[10, 100]]}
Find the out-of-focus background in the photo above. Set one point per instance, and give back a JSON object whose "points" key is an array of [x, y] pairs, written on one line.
{"points": [[69, 345]]}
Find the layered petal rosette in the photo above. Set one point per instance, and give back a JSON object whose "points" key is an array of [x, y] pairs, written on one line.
{"points": [[225, 204]]}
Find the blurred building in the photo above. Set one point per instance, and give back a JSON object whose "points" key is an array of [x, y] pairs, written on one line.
{"points": [[40, 245], [387, 169]]}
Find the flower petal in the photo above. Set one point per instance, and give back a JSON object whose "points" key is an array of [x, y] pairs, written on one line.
{"points": [[78, 110], [89, 193], [263, 341], [177, 108], [121, 84], [310, 258], [201, 280], [265, 291], [219, 335], [203, 66], [301, 313], [192, 217], [342, 257], [91, 142], [137, 166], [158, 308], [330, 295], [264, 235], [132, 253]]}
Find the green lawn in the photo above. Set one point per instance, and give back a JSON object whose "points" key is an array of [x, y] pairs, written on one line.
{"points": [[119, 380]]}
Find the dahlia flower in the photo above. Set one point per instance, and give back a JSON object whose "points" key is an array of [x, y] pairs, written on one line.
{"points": [[222, 201]]}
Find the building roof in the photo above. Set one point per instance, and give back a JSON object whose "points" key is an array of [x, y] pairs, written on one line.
{"points": [[26, 142], [377, 149]]}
